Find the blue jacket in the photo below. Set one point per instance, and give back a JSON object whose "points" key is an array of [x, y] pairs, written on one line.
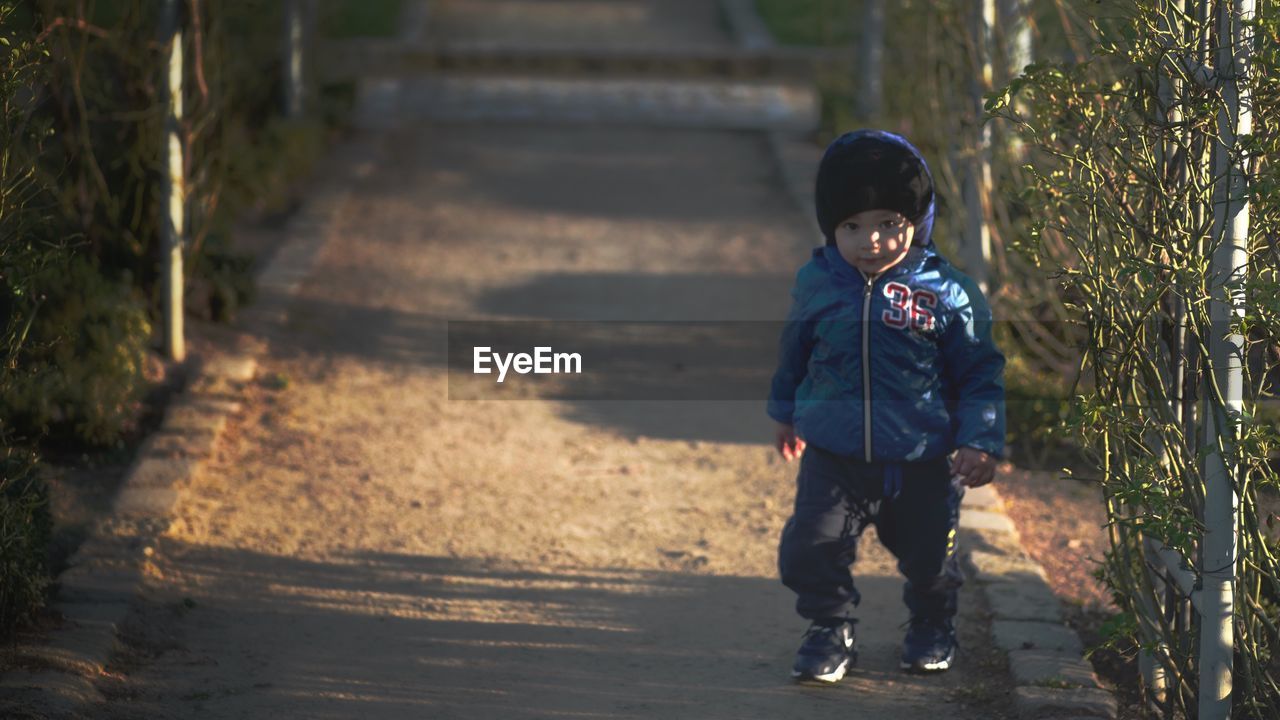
{"points": [[899, 369]]}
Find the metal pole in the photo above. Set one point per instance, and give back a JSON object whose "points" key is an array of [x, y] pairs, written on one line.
{"points": [[1015, 16], [871, 87], [977, 238], [294, 57], [173, 183], [1226, 350]]}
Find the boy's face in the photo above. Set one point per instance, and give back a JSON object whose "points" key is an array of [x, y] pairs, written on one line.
{"points": [[874, 240]]}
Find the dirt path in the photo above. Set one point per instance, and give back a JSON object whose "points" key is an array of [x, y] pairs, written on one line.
{"points": [[364, 547]]}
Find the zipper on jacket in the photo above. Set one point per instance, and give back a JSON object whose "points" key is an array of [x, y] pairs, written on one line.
{"points": [[866, 363]]}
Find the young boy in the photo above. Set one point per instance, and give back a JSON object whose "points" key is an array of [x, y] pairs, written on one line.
{"points": [[886, 366]]}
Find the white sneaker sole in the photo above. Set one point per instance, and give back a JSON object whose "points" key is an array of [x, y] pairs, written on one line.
{"points": [[832, 677], [937, 666]]}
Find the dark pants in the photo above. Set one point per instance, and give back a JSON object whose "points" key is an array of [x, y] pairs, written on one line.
{"points": [[836, 498]]}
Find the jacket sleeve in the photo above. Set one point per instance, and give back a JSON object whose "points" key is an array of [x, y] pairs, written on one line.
{"points": [[794, 346], [974, 370]]}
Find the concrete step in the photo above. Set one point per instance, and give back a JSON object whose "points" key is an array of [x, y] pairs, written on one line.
{"points": [[604, 22], [351, 59], [390, 102]]}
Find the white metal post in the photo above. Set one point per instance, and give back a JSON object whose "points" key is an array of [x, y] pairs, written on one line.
{"points": [[173, 183], [294, 58], [1015, 19], [977, 237], [1226, 304]]}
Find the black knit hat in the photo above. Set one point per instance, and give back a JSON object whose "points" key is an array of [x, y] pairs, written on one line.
{"points": [[870, 170]]}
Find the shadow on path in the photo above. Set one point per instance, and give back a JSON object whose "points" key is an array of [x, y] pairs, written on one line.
{"points": [[615, 173], [676, 380], [393, 635], [674, 297]]}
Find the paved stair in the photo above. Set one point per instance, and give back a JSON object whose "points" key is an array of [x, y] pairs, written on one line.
{"points": [[388, 102], [578, 61]]}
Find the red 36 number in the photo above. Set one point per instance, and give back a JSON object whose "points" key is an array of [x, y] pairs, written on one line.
{"points": [[899, 312], [909, 307]]}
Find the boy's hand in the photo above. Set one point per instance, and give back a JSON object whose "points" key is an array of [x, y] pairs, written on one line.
{"points": [[974, 467], [789, 445]]}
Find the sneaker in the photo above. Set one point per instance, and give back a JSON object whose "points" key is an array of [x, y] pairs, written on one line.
{"points": [[825, 654], [930, 645]]}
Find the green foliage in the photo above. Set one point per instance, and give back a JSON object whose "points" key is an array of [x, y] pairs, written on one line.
{"points": [[26, 242], [81, 365], [1123, 182], [809, 22], [836, 22], [1118, 632], [24, 533], [223, 282], [24, 251], [105, 152], [81, 120], [1037, 404], [282, 152], [88, 144], [1092, 209], [360, 18]]}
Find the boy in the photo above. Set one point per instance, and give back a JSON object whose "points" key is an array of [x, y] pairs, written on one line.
{"points": [[886, 366]]}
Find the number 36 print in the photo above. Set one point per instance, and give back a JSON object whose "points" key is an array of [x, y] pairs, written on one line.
{"points": [[909, 307]]}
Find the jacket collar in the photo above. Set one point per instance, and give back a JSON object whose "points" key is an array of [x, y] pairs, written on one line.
{"points": [[917, 256]]}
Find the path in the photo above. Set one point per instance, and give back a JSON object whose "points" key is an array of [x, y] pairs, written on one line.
{"points": [[361, 546]]}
